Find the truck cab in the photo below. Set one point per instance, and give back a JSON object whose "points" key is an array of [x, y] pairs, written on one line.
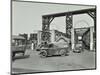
{"points": [[18, 45]]}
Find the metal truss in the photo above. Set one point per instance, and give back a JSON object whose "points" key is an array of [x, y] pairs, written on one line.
{"points": [[47, 19]]}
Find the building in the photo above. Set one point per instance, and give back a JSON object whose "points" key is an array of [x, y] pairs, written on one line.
{"points": [[33, 36], [18, 40], [24, 35], [33, 40], [54, 36]]}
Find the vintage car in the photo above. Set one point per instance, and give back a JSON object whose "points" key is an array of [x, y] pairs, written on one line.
{"points": [[78, 47], [53, 49], [17, 46]]}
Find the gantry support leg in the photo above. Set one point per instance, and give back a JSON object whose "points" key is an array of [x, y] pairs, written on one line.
{"points": [[73, 38], [70, 29], [93, 39], [68, 25], [46, 28]]}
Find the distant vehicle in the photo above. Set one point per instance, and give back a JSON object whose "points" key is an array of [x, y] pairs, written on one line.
{"points": [[51, 49], [78, 47], [17, 45]]}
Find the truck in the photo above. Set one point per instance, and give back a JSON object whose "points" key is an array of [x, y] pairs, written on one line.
{"points": [[18, 45]]}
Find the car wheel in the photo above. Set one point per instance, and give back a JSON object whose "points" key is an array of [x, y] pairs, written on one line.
{"points": [[63, 52], [43, 53]]}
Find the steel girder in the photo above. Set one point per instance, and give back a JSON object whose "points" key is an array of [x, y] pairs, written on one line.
{"points": [[47, 19], [45, 28], [69, 24], [82, 11]]}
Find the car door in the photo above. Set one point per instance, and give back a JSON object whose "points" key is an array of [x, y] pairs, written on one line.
{"points": [[51, 49]]}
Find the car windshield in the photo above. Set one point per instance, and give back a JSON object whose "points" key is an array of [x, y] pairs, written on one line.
{"points": [[17, 43]]}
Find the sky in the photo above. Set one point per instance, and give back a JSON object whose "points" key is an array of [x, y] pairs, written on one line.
{"points": [[27, 16]]}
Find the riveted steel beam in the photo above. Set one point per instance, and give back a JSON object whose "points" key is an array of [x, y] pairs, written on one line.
{"points": [[68, 24], [82, 11]]}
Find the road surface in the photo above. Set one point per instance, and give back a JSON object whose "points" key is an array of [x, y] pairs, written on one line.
{"points": [[74, 61]]}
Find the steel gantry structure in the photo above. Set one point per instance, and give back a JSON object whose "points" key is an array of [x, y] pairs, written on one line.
{"points": [[47, 19]]}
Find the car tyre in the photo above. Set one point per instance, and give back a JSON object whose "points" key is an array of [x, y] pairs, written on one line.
{"points": [[63, 52], [43, 54]]}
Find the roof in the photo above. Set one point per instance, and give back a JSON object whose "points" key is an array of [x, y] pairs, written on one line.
{"points": [[17, 37], [81, 31], [64, 38]]}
